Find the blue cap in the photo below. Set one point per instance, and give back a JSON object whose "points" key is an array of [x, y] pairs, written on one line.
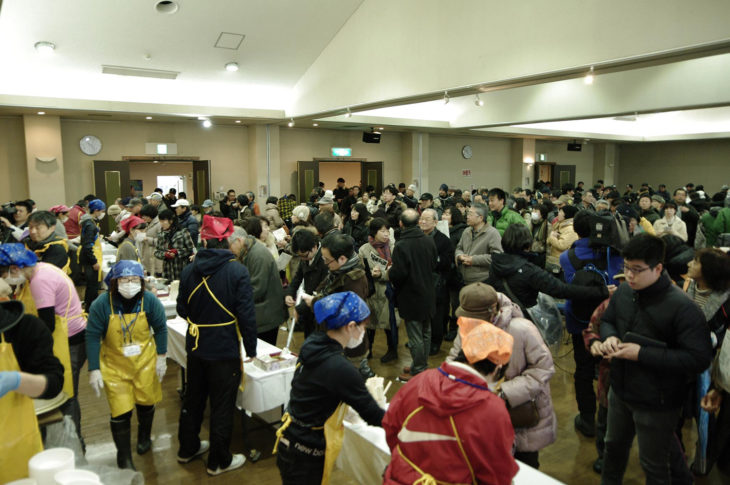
{"points": [[339, 309], [124, 268], [97, 205], [16, 254]]}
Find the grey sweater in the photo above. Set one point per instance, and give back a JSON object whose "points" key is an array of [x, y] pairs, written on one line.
{"points": [[480, 246]]}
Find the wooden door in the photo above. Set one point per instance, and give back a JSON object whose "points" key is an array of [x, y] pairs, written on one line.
{"points": [[111, 181], [372, 174], [201, 181], [563, 174], [308, 175]]}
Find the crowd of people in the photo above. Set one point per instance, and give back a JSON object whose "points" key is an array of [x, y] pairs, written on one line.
{"points": [[646, 293]]}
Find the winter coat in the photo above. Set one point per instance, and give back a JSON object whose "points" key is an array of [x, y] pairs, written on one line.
{"points": [[229, 282], [564, 235], [53, 250], [323, 379], [528, 374], [89, 233], [391, 213], [455, 233], [180, 240], [268, 294], [446, 263], [676, 227], [716, 311], [663, 312], [481, 420], [722, 222], [150, 263], [191, 224], [650, 215], [73, 223], [414, 261], [378, 302], [271, 212], [358, 232], [526, 280], [481, 246], [504, 219]]}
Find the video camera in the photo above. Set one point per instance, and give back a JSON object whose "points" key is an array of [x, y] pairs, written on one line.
{"points": [[7, 210]]}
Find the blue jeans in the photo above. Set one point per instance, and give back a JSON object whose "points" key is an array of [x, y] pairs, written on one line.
{"points": [[419, 343]]}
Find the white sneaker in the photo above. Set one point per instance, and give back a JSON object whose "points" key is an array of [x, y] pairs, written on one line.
{"points": [[237, 462], [204, 446]]}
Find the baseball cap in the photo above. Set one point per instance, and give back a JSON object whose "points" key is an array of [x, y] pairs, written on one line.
{"points": [[426, 196], [181, 203], [207, 203], [154, 196]]}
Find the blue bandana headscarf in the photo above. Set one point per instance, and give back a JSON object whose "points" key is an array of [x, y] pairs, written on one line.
{"points": [[16, 254], [339, 309], [123, 268]]}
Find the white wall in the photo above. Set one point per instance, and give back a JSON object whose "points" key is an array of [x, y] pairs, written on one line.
{"points": [[13, 171], [489, 165], [557, 152]]}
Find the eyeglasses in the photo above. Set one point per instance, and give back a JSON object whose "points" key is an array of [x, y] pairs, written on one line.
{"points": [[328, 262], [635, 271], [128, 279]]}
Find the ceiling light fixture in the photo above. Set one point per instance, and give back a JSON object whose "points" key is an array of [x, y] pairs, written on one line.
{"points": [[232, 67], [291, 122], [381, 128], [148, 117], [446, 97], [348, 114], [477, 100], [315, 124], [238, 121], [202, 118], [589, 77], [41, 113], [207, 124], [45, 47]]}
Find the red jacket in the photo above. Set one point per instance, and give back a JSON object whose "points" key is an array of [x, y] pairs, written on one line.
{"points": [[72, 224], [482, 423]]}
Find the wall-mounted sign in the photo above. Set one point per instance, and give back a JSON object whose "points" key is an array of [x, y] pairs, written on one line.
{"points": [[466, 172], [341, 152]]}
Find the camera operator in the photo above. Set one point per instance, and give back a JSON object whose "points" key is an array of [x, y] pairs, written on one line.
{"points": [[20, 215]]}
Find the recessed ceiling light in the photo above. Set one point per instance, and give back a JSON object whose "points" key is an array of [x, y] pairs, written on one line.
{"points": [[315, 124], [167, 7], [41, 112], [478, 101], [589, 77], [238, 121], [45, 47], [148, 117], [207, 124], [202, 118], [232, 66], [381, 128], [348, 114], [291, 122]]}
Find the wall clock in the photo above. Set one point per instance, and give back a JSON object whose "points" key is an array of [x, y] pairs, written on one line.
{"points": [[90, 144], [466, 151]]}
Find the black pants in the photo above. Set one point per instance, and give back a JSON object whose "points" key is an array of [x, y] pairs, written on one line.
{"points": [[92, 285], [585, 369], [297, 468], [529, 458], [218, 379], [269, 336], [440, 318]]}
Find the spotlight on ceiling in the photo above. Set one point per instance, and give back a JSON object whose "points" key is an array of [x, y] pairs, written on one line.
{"points": [[148, 117], [477, 100], [232, 67], [238, 121], [291, 122], [315, 124], [446, 97], [589, 77], [348, 114], [207, 124], [41, 113], [45, 47], [202, 118]]}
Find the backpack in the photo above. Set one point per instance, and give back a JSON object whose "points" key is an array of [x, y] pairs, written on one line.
{"points": [[608, 230], [588, 272]]}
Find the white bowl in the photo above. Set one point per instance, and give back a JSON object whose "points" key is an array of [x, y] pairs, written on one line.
{"points": [[44, 465], [23, 481], [67, 477], [82, 481]]}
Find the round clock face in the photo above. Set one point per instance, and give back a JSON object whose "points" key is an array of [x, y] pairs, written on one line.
{"points": [[466, 151], [90, 144]]}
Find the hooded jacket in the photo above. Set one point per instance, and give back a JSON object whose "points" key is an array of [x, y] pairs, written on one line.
{"points": [[526, 280], [427, 439], [323, 379], [230, 283], [32, 344], [528, 374]]}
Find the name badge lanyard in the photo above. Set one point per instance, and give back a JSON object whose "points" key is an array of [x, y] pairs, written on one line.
{"points": [[127, 329]]}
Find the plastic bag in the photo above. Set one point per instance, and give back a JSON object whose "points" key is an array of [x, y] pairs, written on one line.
{"points": [[548, 320]]}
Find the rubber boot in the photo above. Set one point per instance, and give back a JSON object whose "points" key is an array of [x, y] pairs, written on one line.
{"points": [[371, 337], [392, 353], [122, 434], [144, 430]]}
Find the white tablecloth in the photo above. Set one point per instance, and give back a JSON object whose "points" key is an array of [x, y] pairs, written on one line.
{"points": [[170, 307], [264, 390], [108, 249], [365, 456]]}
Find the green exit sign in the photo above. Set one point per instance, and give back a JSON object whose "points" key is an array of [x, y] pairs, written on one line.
{"points": [[341, 152]]}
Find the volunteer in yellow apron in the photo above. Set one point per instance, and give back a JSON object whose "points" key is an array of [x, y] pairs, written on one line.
{"points": [[134, 229], [28, 370], [90, 252], [216, 299], [325, 382], [126, 359], [45, 243]]}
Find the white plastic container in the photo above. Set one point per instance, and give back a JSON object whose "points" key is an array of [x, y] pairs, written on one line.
{"points": [[44, 465], [67, 477], [23, 481]]}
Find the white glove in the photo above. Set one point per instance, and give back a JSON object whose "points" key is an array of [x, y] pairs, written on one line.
{"points": [[96, 382], [161, 366]]}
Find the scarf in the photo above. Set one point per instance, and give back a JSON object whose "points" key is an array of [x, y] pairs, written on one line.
{"points": [[383, 249]]}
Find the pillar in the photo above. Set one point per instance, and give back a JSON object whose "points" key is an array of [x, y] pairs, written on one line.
{"points": [[264, 161], [44, 160], [522, 163], [605, 163], [416, 160]]}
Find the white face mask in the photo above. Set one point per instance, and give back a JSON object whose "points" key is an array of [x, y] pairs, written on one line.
{"points": [[354, 342], [15, 280], [535, 216], [100, 216], [129, 290], [140, 237]]}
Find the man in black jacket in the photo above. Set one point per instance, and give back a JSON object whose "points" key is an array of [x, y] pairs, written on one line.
{"points": [[414, 262], [310, 273], [444, 268], [216, 299], [656, 339], [43, 240]]}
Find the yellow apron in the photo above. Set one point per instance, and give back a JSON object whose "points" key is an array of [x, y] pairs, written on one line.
{"points": [[194, 328], [39, 252], [127, 362], [98, 254], [20, 438], [60, 331], [136, 251], [427, 478], [334, 433]]}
